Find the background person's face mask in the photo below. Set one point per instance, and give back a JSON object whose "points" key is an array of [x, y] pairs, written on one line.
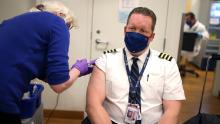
{"points": [[135, 42], [189, 23]]}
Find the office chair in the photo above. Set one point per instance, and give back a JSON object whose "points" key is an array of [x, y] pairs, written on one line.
{"points": [[188, 45]]}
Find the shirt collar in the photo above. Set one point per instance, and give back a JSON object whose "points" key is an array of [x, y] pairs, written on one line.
{"points": [[195, 25], [141, 57]]}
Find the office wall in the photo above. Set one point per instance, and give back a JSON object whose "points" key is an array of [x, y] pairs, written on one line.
{"points": [[10, 8], [196, 7], [204, 12], [175, 11], [216, 85]]}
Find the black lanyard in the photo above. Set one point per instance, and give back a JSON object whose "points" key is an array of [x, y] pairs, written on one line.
{"points": [[133, 88]]}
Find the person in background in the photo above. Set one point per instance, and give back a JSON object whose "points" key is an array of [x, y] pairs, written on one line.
{"points": [[135, 80], [193, 25], [35, 45]]}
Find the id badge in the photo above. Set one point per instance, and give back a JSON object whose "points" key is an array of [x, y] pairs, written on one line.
{"points": [[132, 113], [139, 115]]}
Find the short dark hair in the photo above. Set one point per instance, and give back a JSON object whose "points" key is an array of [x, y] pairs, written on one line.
{"points": [[146, 12], [191, 15]]}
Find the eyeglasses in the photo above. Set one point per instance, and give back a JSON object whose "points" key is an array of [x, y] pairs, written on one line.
{"points": [[69, 25], [40, 7]]}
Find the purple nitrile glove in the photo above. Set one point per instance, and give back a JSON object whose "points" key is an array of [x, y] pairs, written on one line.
{"points": [[83, 66], [92, 62], [90, 66]]}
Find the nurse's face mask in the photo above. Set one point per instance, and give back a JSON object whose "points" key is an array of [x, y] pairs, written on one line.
{"points": [[135, 42]]}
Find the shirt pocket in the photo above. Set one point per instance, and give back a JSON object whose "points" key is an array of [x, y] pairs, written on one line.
{"points": [[152, 85]]}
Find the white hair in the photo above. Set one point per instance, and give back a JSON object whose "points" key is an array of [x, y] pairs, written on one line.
{"points": [[57, 7]]}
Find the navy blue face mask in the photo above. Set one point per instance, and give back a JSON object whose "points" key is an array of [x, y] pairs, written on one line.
{"points": [[189, 23], [135, 42]]}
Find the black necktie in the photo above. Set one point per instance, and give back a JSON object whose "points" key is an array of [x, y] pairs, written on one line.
{"points": [[135, 96]]}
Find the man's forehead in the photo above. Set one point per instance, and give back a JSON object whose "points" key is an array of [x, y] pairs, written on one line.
{"points": [[134, 16]]}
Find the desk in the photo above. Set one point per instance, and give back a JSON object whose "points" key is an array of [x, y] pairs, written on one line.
{"points": [[216, 86]]}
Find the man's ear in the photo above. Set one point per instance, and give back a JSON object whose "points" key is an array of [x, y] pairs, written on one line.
{"points": [[151, 37], [125, 29]]}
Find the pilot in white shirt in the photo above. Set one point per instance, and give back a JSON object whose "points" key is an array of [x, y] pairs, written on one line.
{"points": [[116, 94], [161, 80]]}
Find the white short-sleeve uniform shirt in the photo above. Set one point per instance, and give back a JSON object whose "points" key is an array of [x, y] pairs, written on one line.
{"points": [[198, 27], [161, 80]]}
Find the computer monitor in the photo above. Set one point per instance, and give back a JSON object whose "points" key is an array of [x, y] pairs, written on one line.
{"points": [[215, 13], [215, 9]]}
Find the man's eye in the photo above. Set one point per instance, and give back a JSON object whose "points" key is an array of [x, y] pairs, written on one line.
{"points": [[132, 28], [143, 31]]}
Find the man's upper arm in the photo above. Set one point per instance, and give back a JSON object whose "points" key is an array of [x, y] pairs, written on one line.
{"points": [[171, 112], [96, 88], [173, 106]]}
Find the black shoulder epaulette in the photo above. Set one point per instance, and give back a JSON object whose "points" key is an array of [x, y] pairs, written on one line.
{"points": [[165, 56], [110, 51]]}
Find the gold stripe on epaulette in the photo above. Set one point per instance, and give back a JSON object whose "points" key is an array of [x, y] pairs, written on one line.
{"points": [[165, 56], [170, 58], [110, 51], [160, 55]]}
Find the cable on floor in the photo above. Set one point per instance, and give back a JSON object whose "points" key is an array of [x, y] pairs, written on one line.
{"points": [[51, 113]]}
